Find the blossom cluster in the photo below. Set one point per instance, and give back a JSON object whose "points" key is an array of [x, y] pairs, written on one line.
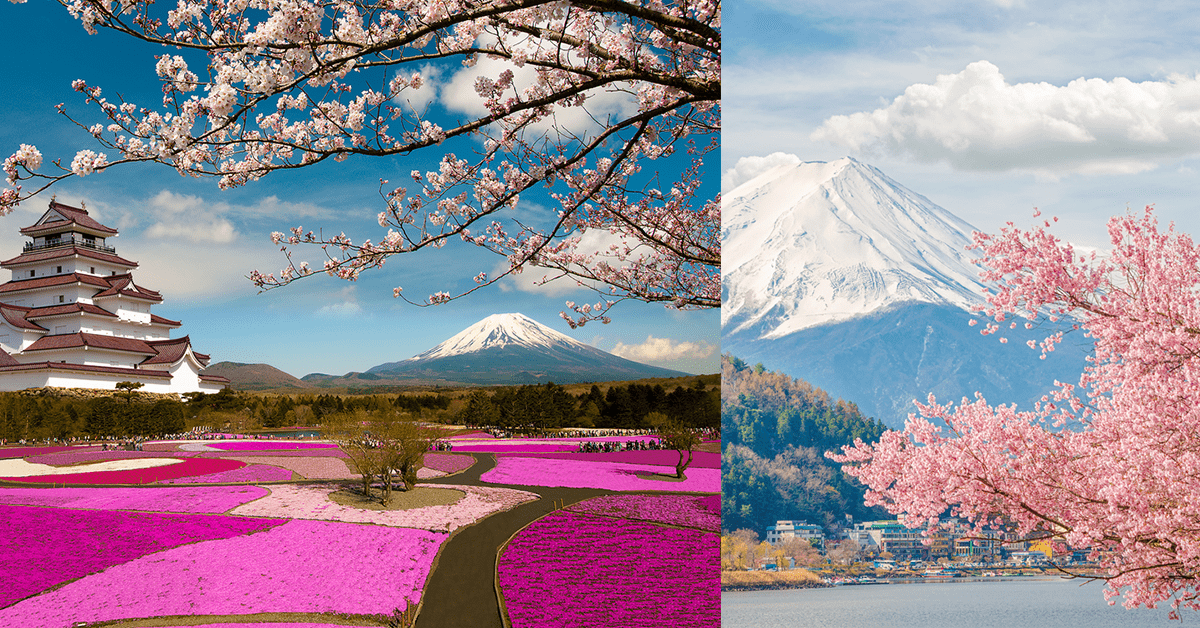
{"points": [[287, 568], [42, 547], [578, 570]]}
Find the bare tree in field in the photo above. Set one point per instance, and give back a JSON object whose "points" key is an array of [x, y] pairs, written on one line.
{"points": [[675, 435]]}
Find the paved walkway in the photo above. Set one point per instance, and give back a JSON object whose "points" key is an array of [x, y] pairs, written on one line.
{"points": [[462, 589]]}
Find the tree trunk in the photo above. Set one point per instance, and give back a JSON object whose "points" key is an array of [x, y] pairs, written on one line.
{"points": [[682, 464]]}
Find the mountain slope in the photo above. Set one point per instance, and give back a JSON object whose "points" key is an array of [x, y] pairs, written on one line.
{"points": [[820, 242], [514, 349], [838, 275], [254, 376]]}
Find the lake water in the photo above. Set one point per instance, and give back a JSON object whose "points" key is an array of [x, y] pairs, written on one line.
{"points": [[1018, 603]]}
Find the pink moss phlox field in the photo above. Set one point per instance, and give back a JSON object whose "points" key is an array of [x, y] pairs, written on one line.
{"points": [[42, 547], [688, 511], [248, 473], [184, 499], [96, 455], [503, 445], [311, 467], [613, 476], [298, 567], [574, 570], [448, 463], [21, 452], [280, 453], [660, 457], [271, 625], [305, 501], [161, 446], [255, 445], [189, 466]]}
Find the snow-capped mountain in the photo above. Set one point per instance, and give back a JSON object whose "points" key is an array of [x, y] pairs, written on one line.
{"points": [[515, 349], [836, 274], [499, 330], [818, 242]]}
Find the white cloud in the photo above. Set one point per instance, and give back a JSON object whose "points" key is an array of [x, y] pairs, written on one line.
{"points": [[186, 217], [974, 120], [659, 350], [749, 167], [345, 309], [418, 100], [533, 278], [344, 304]]}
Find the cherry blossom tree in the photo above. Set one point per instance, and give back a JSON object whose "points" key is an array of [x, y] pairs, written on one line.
{"points": [[1111, 464], [611, 106]]}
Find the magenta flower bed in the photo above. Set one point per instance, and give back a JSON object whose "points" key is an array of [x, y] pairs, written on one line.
{"points": [[575, 570], [660, 457], [42, 547], [272, 625], [503, 445], [298, 567], [688, 511], [193, 500], [613, 476], [248, 473], [21, 452], [448, 463], [268, 445], [95, 454], [189, 466]]}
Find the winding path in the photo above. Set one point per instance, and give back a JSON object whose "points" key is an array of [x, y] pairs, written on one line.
{"points": [[462, 588]]}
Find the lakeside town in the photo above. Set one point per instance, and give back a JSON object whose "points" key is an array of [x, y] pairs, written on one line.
{"points": [[796, 554]]}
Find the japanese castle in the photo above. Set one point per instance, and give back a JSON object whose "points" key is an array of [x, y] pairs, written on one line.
{"points": [[72, 316]]}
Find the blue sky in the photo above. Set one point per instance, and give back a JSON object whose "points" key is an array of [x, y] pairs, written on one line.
{"points": [[196, 243], [988, 108]]}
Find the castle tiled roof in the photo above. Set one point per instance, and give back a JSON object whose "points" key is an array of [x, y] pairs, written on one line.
{"points": [[123, 285], [169, 351], [71, 216], [15, 315], [18, 285], [95, 341], [6, 359], [67, 308], [42, 255], [84, 368], [158, 320]]}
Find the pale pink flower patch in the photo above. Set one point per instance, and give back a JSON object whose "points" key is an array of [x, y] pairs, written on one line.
{"points": [[311, 467], [312, 502]]}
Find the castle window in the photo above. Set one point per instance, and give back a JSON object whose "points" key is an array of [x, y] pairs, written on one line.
{"points": [[32, 272], [93, 270], [61, 298], [59, 270]]}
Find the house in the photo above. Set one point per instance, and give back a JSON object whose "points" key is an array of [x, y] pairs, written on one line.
{"points": [[72, 316]]}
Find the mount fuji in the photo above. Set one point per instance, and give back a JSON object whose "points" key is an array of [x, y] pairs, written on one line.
{"points": [[836, 274], [515, 349]]}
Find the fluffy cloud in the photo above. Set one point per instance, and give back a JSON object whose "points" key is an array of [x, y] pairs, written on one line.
{"points": [[975, 120], [659, 350], [749, 167]]}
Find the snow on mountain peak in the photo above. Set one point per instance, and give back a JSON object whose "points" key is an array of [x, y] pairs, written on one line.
{"points": [[499, 330], [810, 243]]}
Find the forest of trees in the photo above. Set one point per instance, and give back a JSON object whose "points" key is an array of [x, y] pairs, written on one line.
{"points": [[621, 407], [52, 416], [776, 431]]}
